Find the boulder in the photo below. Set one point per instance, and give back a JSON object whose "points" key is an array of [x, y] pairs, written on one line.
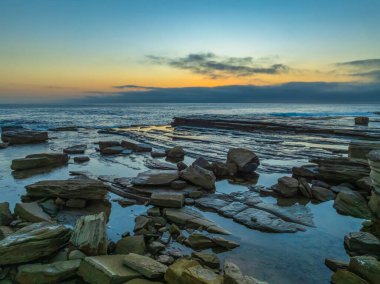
{"points": [[203, 163], [174, 273], [209, 259], [155, 177], [76, 254], [305, 188], [5, 231], [178, 184], [167, 199], [374, 203], [50, 207], [81, 159], [303, 172], [23, 136], [131, 244], [200, 275], [33, 242], [362, 243], [199, 176], [233, 275], [39, 161], [71, 188], [76, 149], [5, 214], [55, 272], [335, 265], [90, 234], [287, 186], [361, 120], [220, 169], [145, 265], [367, 267], [322, 194], [364, 184], [176, 152], [181, 166], [346, 277], [353, 204], [106, 269], [245, 160], [31, 212]]}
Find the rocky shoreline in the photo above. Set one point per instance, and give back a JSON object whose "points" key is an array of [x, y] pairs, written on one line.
{"points": [[57, 232]]}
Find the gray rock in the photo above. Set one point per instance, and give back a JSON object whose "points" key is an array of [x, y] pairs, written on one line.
{"points": [[220, 169], [233, 275], [55, 272], [106, 269], [33, 242], [31, 212], [77, 149], [209, 259], [131, 244], [232, 209], [287, 186], [155, 177], [367, 267], [353, 204], [39, 161], [245, 160], [90, 234], [5, 214], [167, 199], [199, 176], [71, 188], [144, 265], [113, 150], [264, 221], [362, 243], [81, 159], [203, 163], [23, 136], [322, 194], [178, 184], [175, 153], [211, 202], [159, 165], [305, 188]]}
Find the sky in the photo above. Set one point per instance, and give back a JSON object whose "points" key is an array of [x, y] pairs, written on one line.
{"points": [[53, 49]]}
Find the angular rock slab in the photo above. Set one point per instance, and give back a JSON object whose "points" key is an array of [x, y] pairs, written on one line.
{"points": [[31, 212], [245, 160], [367, 267], [167, 199], [264, 221], [145, 265], [69, 189], [155, 177], [106, 269], [191, 218], [33, 242], [23, 136], [199, 176], [362, 243], [233, 275], [55, 272], [353, 204], [90, 234], [39, 161]]}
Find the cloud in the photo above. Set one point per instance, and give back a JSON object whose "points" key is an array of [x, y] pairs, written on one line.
{"points": [[215, 66], [294, 92], [367, 69]]}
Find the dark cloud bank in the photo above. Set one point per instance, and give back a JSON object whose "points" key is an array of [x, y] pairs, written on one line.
{"points": [[295, 92]]}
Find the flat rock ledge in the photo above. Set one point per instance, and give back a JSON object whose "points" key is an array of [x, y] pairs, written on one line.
{"points": [[248, 209]]}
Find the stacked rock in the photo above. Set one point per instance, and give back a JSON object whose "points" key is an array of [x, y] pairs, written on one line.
{"points": [[374, 163]]}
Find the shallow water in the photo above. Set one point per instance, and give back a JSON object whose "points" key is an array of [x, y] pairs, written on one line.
{"points": [[276, 258]]}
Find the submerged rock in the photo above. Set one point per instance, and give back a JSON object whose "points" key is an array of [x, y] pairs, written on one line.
{"points": [[167, 199], [90, 234], [71, 188], [233, 275], [33, 242], [245, 160], [106, 269], [362, 243], [55, 272], [144, 265], [155, 177], [367, 267], [39, 161], [200, 241], [21, 135], [199, 176], [353, 204], [31, 212]]}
